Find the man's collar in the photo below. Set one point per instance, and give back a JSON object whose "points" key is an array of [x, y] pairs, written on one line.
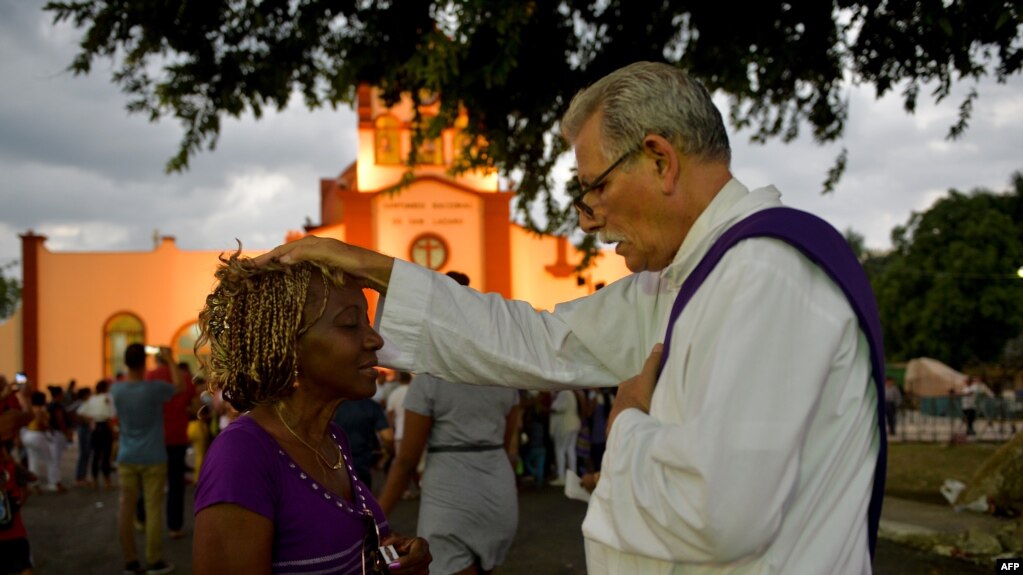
{"points": [[732, 203]]}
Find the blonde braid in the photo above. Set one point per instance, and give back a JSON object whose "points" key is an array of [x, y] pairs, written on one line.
{"points": [[252, 322]]}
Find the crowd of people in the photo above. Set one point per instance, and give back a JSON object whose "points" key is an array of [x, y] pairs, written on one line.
{"points": [[114, 433], [513, 426], [528, 441]]}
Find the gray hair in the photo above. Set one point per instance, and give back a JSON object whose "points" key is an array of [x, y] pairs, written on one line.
{"points": [[650, 98]]}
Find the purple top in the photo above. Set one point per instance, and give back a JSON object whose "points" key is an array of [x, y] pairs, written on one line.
{"points": [[315, 530]]}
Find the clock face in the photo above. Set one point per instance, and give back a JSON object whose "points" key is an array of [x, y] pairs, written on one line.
{"points": [[428, 97], [429, 251]]}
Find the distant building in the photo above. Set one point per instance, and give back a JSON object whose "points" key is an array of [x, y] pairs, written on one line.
{"points": [[80, 310]]}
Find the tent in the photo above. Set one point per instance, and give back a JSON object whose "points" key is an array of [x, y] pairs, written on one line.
{"points": [[926, 377]]}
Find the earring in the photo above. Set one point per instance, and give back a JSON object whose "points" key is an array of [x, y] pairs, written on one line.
{"points": [[294, 378]]}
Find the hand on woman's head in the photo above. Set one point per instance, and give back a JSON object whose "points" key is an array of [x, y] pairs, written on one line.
{"points": [[373, 269]]}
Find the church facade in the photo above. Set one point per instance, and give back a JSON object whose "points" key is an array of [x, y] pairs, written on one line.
{"points": [[80, 310]]}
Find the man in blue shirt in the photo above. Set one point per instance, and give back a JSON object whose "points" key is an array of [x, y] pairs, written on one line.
{"points": [[141, 457]]}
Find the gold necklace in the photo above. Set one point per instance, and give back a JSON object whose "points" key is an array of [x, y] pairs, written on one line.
{"points": [[340, 454]]}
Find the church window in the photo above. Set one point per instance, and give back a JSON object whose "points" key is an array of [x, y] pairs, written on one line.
{"points": [[120, 331], [387, 143], [466, 143], [184, 346], [431, 150]]}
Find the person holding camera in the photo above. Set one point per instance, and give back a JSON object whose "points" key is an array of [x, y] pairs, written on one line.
{"points": [[141, 457]]}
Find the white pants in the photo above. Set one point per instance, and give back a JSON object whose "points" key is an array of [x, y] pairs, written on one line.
{"points": [[564, 449], [39, 446], [57, 446]]}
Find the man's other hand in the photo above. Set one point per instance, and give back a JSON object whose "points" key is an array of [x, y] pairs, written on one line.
{"points": [[637, 391]]}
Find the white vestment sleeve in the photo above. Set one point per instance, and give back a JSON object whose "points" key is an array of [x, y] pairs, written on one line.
{"points": [[433, 325], [708, 475]]}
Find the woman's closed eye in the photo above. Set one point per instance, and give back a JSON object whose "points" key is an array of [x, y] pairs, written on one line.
{"points": [[348, 318]]}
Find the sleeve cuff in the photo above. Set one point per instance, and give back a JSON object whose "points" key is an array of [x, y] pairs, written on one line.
{"points": [[401, 313]]}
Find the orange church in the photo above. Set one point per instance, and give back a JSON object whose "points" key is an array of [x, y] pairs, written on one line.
{"points": [[80, 310]]}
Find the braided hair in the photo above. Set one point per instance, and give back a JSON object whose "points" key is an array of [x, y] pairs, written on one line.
{"points": [[252, 322]]}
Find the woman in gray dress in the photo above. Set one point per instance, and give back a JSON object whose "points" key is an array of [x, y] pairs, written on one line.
{"points": [[468, 508]]}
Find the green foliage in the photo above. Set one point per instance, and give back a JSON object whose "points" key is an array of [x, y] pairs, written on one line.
{"points": [[856, 242], [1012, 354], [10, 293], [515, 64], [949, 289]]}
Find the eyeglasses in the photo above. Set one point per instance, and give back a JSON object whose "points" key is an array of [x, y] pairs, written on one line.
{"points": [[598, 182], [371, 545]]}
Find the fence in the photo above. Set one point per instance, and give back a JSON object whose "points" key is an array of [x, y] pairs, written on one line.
{"points": [[940, 419]]}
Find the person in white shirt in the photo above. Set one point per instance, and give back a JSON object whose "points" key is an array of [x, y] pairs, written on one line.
{"points": [[396, 407], [565, 424], [99, 409], [974, 388], [396, 417], [755, 449]]}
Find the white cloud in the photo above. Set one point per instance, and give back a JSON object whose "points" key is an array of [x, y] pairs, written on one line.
{"points": [[83, 235]]}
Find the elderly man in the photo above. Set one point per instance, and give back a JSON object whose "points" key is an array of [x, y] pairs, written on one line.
{"points": [[752, 447]]}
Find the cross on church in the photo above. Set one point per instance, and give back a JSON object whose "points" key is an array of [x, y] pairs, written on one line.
{"points": [[429, 251]]}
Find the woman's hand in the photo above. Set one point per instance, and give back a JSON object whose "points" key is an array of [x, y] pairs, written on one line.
{"points": [[413, 555]]}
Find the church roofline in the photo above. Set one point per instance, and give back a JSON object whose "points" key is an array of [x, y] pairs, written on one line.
{"points": [[353, 187]]}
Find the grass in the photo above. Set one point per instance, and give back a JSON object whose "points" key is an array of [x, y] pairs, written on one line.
{"points": [[917, 470]]}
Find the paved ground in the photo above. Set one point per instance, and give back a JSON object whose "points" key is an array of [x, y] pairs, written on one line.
{"points": [[75, 534]]}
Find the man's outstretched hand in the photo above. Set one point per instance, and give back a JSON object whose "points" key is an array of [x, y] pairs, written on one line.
{"points": [[372, 269]]}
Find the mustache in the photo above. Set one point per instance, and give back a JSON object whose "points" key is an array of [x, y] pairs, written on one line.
{"points": [[609, 237]]}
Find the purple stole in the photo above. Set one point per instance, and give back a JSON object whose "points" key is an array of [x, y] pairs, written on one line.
{"points": [[825, 247]]}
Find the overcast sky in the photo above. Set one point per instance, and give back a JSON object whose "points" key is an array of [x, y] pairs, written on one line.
{"points": [[79, 169]]}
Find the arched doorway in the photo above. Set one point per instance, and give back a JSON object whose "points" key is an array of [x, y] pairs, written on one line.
{"points": [[120, 331]]}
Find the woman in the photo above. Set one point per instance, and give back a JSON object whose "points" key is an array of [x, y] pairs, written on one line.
{"points": [[61, 434], [288, 344], [468, 506], [565, 424], [38, 441], [99, 409]]}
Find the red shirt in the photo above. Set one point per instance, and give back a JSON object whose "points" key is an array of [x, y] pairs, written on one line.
{"points": [[7, 467], [175, 411], [10, 402]]}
